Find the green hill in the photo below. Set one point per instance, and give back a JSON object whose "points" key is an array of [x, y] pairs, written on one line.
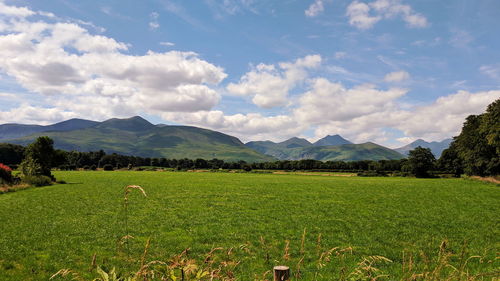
{"points": [[279, 150], [136, 136], [345, 152]]}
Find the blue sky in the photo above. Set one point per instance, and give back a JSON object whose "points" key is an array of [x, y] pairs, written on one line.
{"points": [[388, 71]]}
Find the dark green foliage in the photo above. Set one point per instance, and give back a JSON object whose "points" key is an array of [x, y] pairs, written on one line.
{"points": [[11, 153], [478, 156], [490, 125], [37, 180], [450, 161], [38, 158], [420, 162], [108, 167]]}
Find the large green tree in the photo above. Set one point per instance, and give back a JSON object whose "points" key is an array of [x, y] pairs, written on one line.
{"points": [[421, 161], [479, 157], [38, 158]]}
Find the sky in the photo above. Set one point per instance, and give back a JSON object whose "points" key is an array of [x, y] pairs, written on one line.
{"points": [[386, 71]]}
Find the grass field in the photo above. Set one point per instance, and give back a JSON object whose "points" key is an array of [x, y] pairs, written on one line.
{"points": [[43, 230]]}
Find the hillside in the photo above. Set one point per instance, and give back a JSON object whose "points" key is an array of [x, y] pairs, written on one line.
{"points": [[13, 131], [279, 150], [435, 146], [346, 152], [291, 150], [136, 136]]}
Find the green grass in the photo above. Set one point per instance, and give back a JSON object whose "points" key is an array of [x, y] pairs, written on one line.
{"points": [[46, 229]]}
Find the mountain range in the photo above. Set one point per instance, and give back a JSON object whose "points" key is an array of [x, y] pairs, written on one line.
{"points": [[136, 136], [436, 147], [329, 148]]}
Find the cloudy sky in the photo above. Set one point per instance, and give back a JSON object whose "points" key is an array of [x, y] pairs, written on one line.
{"points": [[388, 71]]}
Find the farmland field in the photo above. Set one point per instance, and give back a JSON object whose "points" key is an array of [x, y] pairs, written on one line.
{"points": [[43, 230]]}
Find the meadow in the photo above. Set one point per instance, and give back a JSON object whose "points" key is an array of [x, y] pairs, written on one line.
{"points": [[265, 219]]}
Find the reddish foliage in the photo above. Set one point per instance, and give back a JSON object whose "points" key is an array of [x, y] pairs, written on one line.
{"points": [[5, 168]]}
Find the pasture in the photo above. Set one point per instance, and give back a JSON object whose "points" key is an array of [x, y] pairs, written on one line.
{"points": [[43, 230]]}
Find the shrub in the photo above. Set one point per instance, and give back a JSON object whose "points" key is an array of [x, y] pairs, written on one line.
{"points": [[86, 167], [37, 180], [108, 167], [5, 173], [93, 167]]}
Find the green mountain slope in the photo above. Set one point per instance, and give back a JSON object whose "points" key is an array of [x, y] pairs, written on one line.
{"points": [[12, 131], [345, 152], [279, 150], [136, 136]]}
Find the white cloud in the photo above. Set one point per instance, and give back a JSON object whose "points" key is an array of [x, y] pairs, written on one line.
{"points": [[444, 117], [15, 11], [168, 44], [91, 75], [247, 127], [359, 15], [493, 71], [315, 8], [365, 15], [28, 114], [327, 102], [269, 85], [153, 20], [397, 76]]}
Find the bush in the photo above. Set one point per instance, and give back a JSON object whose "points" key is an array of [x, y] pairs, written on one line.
{"points": [[93, 167], [37, 180], [108, 167], [5, 174], [86, 167]]}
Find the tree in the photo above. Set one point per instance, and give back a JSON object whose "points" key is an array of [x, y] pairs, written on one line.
{"points": [[38, 158], [478, 157], [421, 161], [490, 125], [450, 161]]}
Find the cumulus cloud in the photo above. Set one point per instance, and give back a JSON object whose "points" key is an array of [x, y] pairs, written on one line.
{"points": [[365, 15], [359, 15], [327, 102], [397, 76], [247, 127], [28, 114], [315, 9], [63, 61], [433, 122], [444, 117], [269, 84]]}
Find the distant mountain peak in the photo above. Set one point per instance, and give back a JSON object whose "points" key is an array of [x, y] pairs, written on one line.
{"points": [[436, 147], [332, 140], [135, 123], [295, 142]]}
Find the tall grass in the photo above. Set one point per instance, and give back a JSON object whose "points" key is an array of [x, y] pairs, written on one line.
{"points": [[330, 263]]}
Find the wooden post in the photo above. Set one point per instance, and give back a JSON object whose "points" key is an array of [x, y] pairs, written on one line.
{"points": [[281, 273]]}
